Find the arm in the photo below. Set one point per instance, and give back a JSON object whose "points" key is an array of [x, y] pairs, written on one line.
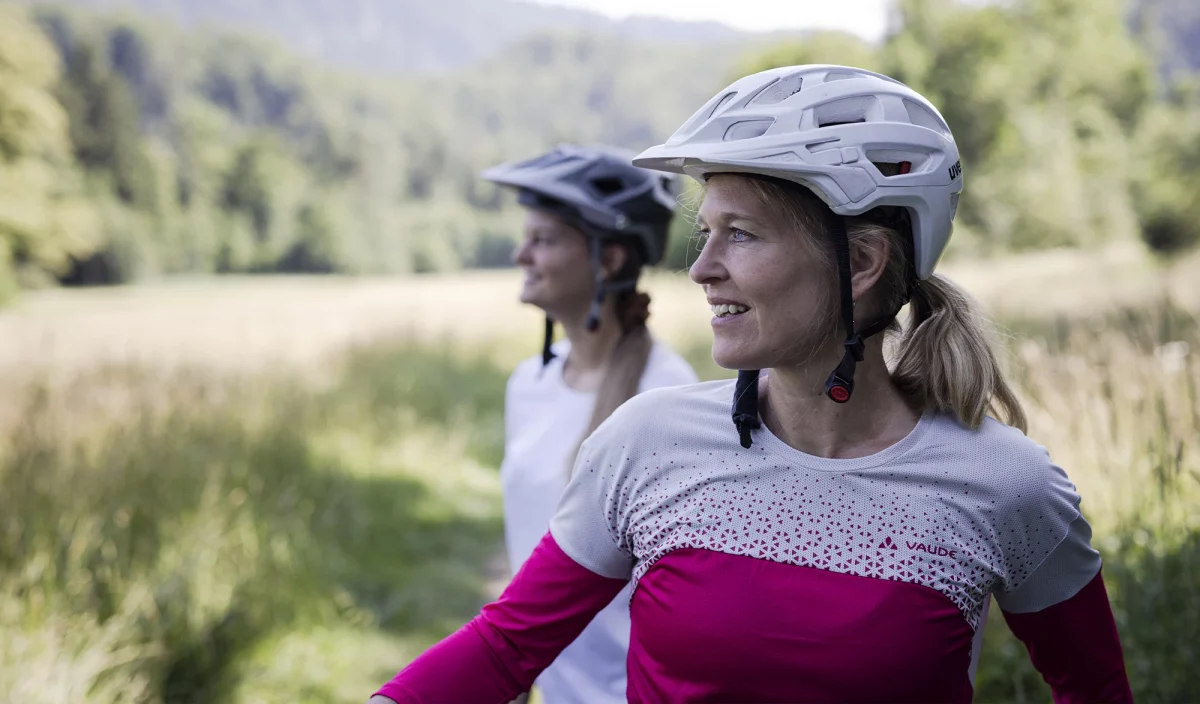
{"points": [[1062, 615], [501, 652], [1074, 645]]}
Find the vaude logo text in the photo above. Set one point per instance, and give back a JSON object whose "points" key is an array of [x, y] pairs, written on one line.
{"points": [[926, 548]]}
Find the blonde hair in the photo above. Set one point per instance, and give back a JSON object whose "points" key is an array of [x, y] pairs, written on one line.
{"points": [[943, 359]]}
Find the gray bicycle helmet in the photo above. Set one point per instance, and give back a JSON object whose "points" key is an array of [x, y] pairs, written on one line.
{"points": [[599, 191]]}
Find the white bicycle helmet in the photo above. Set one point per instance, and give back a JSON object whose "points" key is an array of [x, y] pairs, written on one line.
{"points": [[830, 128], [859, 140]]}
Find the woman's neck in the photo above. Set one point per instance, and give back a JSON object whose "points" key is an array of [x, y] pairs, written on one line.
{"points": [[794, 406], [591, 351]]}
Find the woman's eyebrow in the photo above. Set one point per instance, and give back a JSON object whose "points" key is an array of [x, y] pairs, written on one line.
{"points": [[727, 218]]}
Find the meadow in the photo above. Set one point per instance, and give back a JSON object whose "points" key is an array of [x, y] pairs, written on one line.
{"points": [[283, 489]]}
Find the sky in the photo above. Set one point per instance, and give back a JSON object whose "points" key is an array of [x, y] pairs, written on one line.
{"points": [[867, 18]]}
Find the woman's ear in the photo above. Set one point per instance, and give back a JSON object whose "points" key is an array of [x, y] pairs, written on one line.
{"points": [[612, 259], [868, 260]]}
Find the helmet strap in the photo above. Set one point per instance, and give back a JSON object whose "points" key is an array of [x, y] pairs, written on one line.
{"points": [[840, 384], [745, 405], [593, 319], [604, 286], [839, 387], [547, 352]]}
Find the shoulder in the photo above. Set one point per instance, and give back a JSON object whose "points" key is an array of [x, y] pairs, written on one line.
{"points": [[530, 370], [657, 420], [1015, 466], [666, 367], [669, 410], [526, 372], [1031, 504]]}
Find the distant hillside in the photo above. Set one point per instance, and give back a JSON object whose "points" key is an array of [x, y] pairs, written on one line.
{"points": [[399, 36]]}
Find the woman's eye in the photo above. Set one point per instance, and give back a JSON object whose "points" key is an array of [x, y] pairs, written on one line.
{"points": [[737, 235], [701, 237]]}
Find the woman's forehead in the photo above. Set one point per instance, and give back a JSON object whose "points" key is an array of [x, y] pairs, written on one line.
{"points": [[541, 221], [728, 197]]}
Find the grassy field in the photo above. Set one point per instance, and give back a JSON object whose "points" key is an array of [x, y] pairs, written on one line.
{"points": [[262, 490]]}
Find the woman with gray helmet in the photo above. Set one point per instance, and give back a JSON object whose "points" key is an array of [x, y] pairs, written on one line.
{"points": [[833, 525], [592, 222]]}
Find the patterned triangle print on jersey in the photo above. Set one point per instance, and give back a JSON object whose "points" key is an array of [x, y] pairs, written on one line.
{"points": [[887, 543]]}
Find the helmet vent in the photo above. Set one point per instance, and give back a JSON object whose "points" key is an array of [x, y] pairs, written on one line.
{"points": [[725, 99], [780, 90], [747, 129], [841, 76], [898, 162], [848, 111], [701, 115], [608, 185], [890, 169], [922, 117]]}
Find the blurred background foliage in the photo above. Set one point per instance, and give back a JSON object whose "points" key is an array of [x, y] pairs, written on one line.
{"points": [[132, 148]]}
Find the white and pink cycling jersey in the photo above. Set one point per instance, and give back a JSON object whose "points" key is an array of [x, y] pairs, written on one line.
{"points": [[770, 575]]}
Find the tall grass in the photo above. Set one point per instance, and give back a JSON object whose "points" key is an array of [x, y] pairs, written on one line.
{"points": [[1115, 399], [207, 537], [164, 539]]}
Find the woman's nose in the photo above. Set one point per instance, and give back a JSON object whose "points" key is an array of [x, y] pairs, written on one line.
{"points": [[521, 255], [708, 267]]}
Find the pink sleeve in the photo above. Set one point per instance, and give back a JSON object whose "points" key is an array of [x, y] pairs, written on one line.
{"points": [[1074, 645], [501, 651]]}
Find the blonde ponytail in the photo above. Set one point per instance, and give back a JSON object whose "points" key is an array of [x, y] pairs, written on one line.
{"points": [[945, 361]]}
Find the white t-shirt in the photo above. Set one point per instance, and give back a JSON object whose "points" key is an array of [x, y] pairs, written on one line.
{"points": [[544, 421]]}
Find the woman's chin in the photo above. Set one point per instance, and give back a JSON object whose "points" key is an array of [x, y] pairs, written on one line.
{"points": [[731, 358]]}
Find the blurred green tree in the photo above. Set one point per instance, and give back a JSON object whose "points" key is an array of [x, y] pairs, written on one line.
{"points": [[45, 221]]}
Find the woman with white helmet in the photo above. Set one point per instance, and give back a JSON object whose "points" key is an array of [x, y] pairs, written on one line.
{"points": [[840, 537], [592, 222]]}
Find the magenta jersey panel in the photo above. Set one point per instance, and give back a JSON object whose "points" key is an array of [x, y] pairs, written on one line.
{"points": [[805, 635]]}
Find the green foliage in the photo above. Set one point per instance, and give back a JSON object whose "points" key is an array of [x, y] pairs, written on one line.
{"points": [[104, 120], [1169, 181], [44, 218]]}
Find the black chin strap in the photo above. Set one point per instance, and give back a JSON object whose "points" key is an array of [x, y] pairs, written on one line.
{"points": [[745, 405], [547, 353]]}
